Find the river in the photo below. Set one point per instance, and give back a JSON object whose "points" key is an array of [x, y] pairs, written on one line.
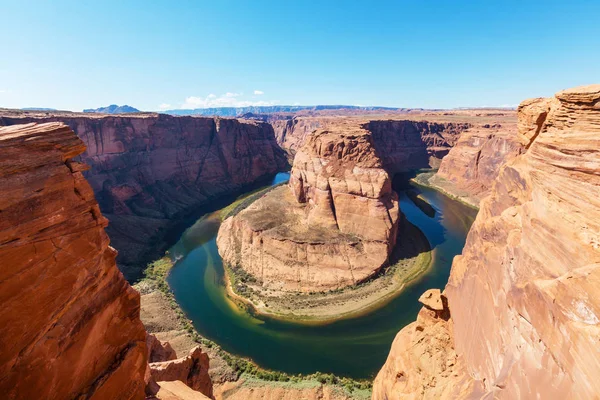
{"points": [[355, 347]]}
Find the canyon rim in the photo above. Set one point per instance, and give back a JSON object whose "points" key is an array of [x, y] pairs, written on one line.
{"points": [[300, 200]]}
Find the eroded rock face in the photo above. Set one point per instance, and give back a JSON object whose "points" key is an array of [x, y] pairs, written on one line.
{"points": [[191, 370], [149, 168], [522, 297], [334, 226], [402, 144], [69, 321], [474, 162], [405, 145]]}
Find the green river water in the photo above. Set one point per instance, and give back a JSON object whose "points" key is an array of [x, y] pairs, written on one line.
{"points": [[355, 347]]}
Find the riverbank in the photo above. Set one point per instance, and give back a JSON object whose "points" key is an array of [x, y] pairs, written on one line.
{"points": [[411, 258], [232, 376], [431, 180]]}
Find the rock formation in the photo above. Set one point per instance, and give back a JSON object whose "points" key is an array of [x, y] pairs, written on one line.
{"points": [[69, 321], [405, 145], [525, 317], [334, 226], [402, 144], [191, 370], [147, 169], [472, 165]]}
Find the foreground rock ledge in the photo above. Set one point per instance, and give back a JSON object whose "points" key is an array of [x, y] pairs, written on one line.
{"points": [[523, 297], [69, 322], [334, 226]]}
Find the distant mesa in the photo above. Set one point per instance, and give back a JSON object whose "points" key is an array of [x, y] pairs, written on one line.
{"points": [[240, 111], [38, 109], [112, 109]]}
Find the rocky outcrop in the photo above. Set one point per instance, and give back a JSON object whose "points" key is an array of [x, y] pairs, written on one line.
{"points": [[334, 226], [176, 390], [159, 351], [292, 133], [191, 370], [473, 164], [148, 169], [69, 321], [525, 317]]}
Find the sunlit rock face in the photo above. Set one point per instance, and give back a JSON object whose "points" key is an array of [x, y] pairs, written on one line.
{"points": [[333, 226], [524, 310], [148, 169], [473, 164], [69, 321]]}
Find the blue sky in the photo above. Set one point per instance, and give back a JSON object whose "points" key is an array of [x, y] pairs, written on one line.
{"points": [[172, 54]]}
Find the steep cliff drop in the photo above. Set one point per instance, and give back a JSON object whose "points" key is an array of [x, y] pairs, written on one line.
{"points": [[472, 165], [148, 169], [524, 318], [69, 321]]}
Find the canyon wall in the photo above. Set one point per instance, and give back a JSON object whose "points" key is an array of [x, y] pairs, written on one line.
{"points": [[148, 169], [474, 162], [69, 321], [334, 226], [406, 145], [402, 144], [523, 304]]}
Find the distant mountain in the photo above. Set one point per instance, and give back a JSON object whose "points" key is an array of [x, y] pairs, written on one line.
{"points": [[38, 109], [112, 109], [238, 111]]}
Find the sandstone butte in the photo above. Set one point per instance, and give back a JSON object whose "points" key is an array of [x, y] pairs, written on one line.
{"points": [[333, 226], [70, 323], [148, 169], [523, 297]]}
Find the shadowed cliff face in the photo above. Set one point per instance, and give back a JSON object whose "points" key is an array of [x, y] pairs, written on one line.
{"points": [[69, 321], [402, 144], [149, 169], [525, 314]]}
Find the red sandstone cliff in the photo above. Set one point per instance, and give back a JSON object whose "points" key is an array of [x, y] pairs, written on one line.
{"points": [[69, 322], [472, 165], [149, 168], [525, 314], [402, 144]]}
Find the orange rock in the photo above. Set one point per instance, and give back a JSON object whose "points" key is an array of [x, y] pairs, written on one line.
{"points": [[159, 351], [334, 226], [474, 162], [523, 296], [146, 169], [69, 324], [192, 370]]}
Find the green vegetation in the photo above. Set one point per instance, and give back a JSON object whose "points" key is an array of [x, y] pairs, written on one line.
{"points": [[156, 278]]}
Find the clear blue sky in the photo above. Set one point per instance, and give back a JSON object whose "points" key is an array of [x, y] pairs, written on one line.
{"points": [[434, 54]]}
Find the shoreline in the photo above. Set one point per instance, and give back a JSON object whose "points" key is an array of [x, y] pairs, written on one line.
{"points": [[321, 308], [424, 179], [229, 372]]}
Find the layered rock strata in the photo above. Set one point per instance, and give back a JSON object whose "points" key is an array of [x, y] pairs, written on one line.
{"points": [[148, 169], [406, 145], [334, 226], [474, 162], [402, 144], [69, 324], [525, 319]]}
